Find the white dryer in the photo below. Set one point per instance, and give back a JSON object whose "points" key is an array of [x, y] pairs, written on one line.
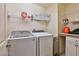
{"points": [[44, 43]]}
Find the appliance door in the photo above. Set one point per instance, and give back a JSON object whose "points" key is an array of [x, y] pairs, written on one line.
{"points": [[70, 47], [45, 46], [77, 51], [22, 47]]}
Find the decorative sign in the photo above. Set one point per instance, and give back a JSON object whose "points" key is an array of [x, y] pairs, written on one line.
{"points": [[29, 16], [24, 14]]}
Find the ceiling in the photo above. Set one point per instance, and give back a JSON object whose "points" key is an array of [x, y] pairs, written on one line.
{"points": [[44, 4]]}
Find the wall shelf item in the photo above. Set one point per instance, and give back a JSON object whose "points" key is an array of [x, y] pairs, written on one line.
{"points": [[41, 17], [66, 21], [75, 21]]}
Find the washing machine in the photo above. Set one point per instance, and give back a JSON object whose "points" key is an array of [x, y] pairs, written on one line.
{"points": [[21, 43]]}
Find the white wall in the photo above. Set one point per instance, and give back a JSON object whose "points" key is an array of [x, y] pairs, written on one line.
{"points": [[72, 12], [53, 24], [2, 31], [18, 24], [61, 15]]}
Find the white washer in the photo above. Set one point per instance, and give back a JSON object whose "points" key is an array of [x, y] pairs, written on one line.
{"points": [[45, 43], [21, 43]]}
